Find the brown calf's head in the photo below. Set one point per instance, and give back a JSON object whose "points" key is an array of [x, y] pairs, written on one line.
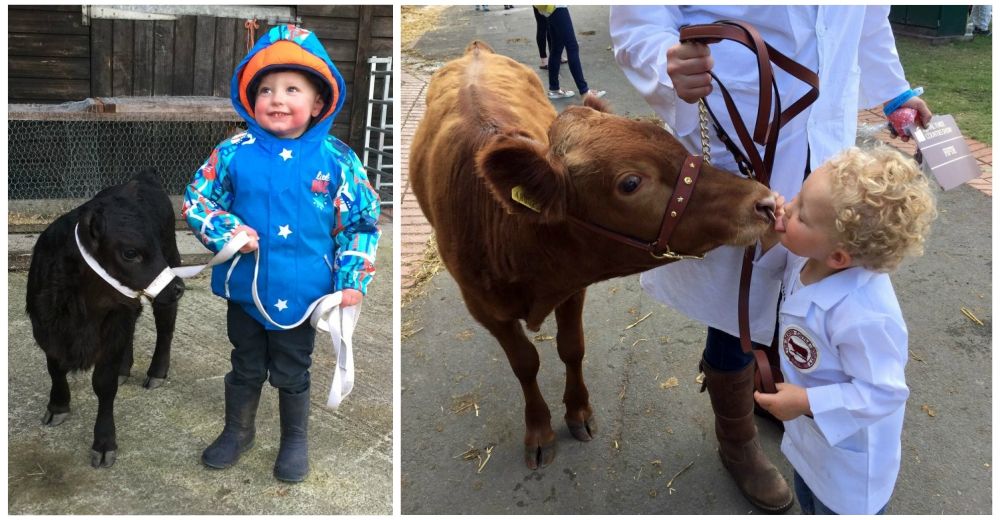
{"points": [[619, 174]]}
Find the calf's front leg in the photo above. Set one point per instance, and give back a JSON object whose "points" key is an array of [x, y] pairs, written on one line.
{"points": [[165, 316], [58, 408], [569, 340], [539, 439], [105, 382]]}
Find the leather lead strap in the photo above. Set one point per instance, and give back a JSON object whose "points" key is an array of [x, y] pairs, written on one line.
{"points": [[765, 134]]}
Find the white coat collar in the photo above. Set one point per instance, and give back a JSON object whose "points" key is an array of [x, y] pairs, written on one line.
{"points": [[827, 292]]}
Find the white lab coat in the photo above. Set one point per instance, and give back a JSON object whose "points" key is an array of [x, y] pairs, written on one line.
{"points": [[853, 50], [843, 338]]}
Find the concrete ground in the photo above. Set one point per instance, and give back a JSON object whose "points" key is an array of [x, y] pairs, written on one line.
{"points": [[655, 451], [162, 432]]}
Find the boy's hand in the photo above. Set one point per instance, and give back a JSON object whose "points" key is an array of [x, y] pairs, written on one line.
{"points": [[250, 246], [350, 297], [788, 403], [770, 238]]}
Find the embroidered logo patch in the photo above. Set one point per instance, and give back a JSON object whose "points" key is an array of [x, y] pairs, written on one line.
{"points": [[321, 184], [800, 349]]}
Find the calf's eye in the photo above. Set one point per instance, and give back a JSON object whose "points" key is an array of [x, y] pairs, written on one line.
{"points": [[131, 255], [629, 184]]}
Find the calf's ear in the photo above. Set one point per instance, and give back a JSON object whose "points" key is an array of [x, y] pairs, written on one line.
{"points": [[522, 178], [92, 223]]}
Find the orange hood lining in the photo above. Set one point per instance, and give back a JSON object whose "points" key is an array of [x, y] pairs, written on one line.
{"points": [[285, 52]]}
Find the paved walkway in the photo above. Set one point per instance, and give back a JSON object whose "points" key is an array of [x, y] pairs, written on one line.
{"points": [[415, 231]]}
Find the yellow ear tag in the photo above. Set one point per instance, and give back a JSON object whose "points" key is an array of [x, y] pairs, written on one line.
{"points": [[517, 193]]}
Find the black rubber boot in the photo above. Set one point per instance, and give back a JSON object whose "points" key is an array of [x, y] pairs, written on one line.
{"points": [[292, 464], [238, 433]]}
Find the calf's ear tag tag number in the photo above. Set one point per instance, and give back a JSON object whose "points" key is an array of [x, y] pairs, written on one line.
{"points": [[517, 193]]}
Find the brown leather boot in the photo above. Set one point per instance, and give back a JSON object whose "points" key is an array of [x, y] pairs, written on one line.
{"points": [[739, 448]]}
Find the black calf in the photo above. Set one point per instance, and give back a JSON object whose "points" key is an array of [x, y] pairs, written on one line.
{"points": [[79, 320]]}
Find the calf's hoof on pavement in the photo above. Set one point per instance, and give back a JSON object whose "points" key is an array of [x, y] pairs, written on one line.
{"points": [[539, 456], [122, 379], [54, 419], [153, 382], [103, 459], [583, 431]]}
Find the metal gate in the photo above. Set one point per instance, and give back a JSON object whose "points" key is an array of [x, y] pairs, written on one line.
{"points": [[377, 156]]}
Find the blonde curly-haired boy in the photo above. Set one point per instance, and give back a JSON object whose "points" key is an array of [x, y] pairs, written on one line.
{"points": [[842, 338]]}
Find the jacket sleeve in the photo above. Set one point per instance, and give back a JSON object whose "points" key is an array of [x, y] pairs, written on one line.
{"points": [[356, 233], [208, 198], [641, 36], [882, 75], [873, 356]]}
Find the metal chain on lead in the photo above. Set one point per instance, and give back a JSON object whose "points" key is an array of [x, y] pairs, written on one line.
{"points": [[706, 150]]}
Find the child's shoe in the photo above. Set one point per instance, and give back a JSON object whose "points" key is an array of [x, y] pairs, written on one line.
{"points": [[292, 464], [238, 433], [561, 94]]}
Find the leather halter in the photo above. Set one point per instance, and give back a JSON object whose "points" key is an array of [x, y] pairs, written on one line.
{"points": [[764, 134], [679, 199]]}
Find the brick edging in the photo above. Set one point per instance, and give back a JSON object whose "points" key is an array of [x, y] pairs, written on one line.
{"points": [[415, 231]]}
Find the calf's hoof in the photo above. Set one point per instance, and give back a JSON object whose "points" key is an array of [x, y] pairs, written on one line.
{"points": [[153, 382], [538, 456], [104, 459], [583, 430], [122, 380], [54, 419]]}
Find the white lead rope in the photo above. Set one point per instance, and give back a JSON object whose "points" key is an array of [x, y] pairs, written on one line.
{"points": [[324, 314]]}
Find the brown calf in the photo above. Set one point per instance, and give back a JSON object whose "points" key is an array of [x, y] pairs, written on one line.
{"points": [[489, 128]]}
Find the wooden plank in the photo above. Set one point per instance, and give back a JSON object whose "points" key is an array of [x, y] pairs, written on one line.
{"points": [[382, 27], [342, 132], [40, 21], [69, 46], [122, 46], [42, 67], [381, 47], [163, 57], [74, 8], [21, 90], [240, 45], [332, 28], [142, 59], [100, 58], [382, 10], [347, 70], [359, 94], [225, 33], [341, 11], [341, 50], [184, 40], [204, 55]]}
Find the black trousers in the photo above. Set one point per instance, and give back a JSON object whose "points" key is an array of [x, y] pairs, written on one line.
{"points": [[282, 357]]}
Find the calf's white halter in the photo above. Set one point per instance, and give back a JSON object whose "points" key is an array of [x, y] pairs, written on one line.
{"points": [[324, 314]]}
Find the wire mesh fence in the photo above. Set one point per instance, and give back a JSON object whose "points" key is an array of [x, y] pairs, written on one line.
{"points": [[75, 150]]}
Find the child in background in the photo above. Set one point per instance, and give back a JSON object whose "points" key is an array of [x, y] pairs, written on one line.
{"points": [[304, 199], [843, 341]]}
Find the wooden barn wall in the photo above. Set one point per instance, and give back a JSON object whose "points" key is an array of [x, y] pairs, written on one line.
{"points": [[53, 57]]}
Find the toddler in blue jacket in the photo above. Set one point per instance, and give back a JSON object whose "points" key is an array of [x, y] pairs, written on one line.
{"points": [[303, 198]]}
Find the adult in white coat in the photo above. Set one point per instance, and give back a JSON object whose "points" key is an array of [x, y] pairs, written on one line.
{"points": [[853, 51]]}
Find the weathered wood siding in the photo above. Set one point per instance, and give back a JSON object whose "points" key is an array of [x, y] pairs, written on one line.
{"points": [[53, 57]]}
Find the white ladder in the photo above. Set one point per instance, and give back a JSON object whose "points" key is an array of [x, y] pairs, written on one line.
{"points": [[377, 156]]}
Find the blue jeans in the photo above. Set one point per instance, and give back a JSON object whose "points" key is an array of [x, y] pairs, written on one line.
{"points": [[810, 504], [562, 35], [723, 351]]}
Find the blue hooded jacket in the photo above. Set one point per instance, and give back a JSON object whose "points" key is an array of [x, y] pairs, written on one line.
{"points": [[308, 198]]}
